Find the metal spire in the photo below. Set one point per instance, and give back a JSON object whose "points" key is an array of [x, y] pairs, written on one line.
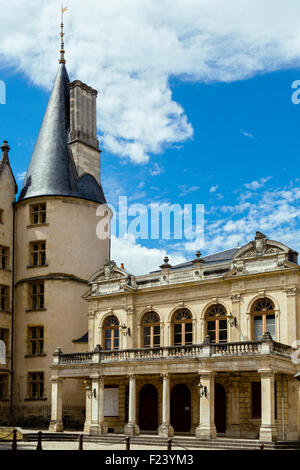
{"points": [[62, 59]]}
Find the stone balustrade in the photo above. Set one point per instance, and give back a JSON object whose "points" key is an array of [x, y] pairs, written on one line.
{"points": [[206, 349]]}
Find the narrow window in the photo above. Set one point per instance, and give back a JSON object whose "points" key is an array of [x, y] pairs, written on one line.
{"points": [[36, 340], [151, 330], [263, 312], [1, 216], [38, 253], [3, 387], [182, 328], [216, 323], [36, 297], [36, 384], [3, 257], [38, 214], [3, 298], [4, 336], [111, 333]]}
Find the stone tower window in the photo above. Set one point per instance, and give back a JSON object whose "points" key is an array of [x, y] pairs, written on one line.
{"points": [[111, 333], [3, 387], [36, 296], [263, 318], [182, 328], [151, 330], [36, 384], [36, 340], [216, 323], [1, 216], [38, 214], [37, 253], [3, 257], [3, 298]]}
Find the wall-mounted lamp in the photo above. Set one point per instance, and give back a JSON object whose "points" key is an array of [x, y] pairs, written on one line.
{"points": [[125, 329], [90, 393], [202, 390]]}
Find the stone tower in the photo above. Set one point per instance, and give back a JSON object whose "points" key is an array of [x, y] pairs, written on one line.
{"points": [[8, 188], [56, 247]]}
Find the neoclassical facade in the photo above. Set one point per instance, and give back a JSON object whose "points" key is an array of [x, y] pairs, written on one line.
{"points": [[205, 348]]}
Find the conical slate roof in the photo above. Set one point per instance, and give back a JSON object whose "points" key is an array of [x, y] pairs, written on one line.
{"points": [[52, 171]]}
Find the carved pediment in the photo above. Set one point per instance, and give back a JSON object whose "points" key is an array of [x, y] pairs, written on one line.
{"points": [[108, 272], [260, 246], [111, 279]]}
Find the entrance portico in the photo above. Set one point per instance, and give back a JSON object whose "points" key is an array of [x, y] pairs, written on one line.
{"points": [[183, 397]]}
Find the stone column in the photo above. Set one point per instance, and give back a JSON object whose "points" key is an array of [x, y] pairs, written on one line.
{"points": [[234, 413], [207, 428], [268, 431], [56, 423], [131, 428], [88, 410], [165, 429], [97, 406]]}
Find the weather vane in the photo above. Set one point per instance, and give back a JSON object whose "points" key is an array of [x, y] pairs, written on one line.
{"points": [[62, 46]]}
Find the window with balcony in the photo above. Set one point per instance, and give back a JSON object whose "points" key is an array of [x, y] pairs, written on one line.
{"points": [[3, 257], [151, 330], [216, 323], [3, 298], [36, 385], [38, 214], [35, 340], [263, 318], [111, 333], [182, 328], [37, 295], [37, 253]]}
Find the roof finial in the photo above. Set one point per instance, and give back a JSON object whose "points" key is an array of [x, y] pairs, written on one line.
{"points": [[62, 59]]}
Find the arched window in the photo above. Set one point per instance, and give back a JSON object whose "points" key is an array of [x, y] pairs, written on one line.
{"points": [[111, 333], [151, 330], [263, 318], [182, 327], [216, 323]]}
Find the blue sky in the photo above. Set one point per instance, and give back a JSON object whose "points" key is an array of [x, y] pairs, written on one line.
{"points": [[234, 146]]}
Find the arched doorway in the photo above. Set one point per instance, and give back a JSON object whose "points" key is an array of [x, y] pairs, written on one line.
{"points": [[148, 420], [220, 408], [181, 408]]}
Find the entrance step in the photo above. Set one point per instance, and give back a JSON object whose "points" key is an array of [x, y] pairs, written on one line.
{"points": [[178, 441]]}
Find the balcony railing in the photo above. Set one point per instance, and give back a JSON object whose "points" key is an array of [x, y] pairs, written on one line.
{"points": [[204, 350]]}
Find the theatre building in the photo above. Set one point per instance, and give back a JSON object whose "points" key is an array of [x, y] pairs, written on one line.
{"points": [[206, 348]]}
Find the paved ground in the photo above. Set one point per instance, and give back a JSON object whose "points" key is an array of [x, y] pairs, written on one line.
{"points": [[50, 445]]}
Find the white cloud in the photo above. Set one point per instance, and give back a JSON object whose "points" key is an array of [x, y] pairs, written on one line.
{"points": [[276, 213], [139, 259], [129, 50], [186, 190], [21, 175], [213, 189], [247, 134], [257, 184], [156, 170]]}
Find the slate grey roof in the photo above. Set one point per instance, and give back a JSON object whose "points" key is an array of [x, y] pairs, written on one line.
{"points": [[83, 339], [226, 255], [52, 170]]}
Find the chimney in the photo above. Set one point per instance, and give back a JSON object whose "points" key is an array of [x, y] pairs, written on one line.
{"points": [[83, 129]]}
